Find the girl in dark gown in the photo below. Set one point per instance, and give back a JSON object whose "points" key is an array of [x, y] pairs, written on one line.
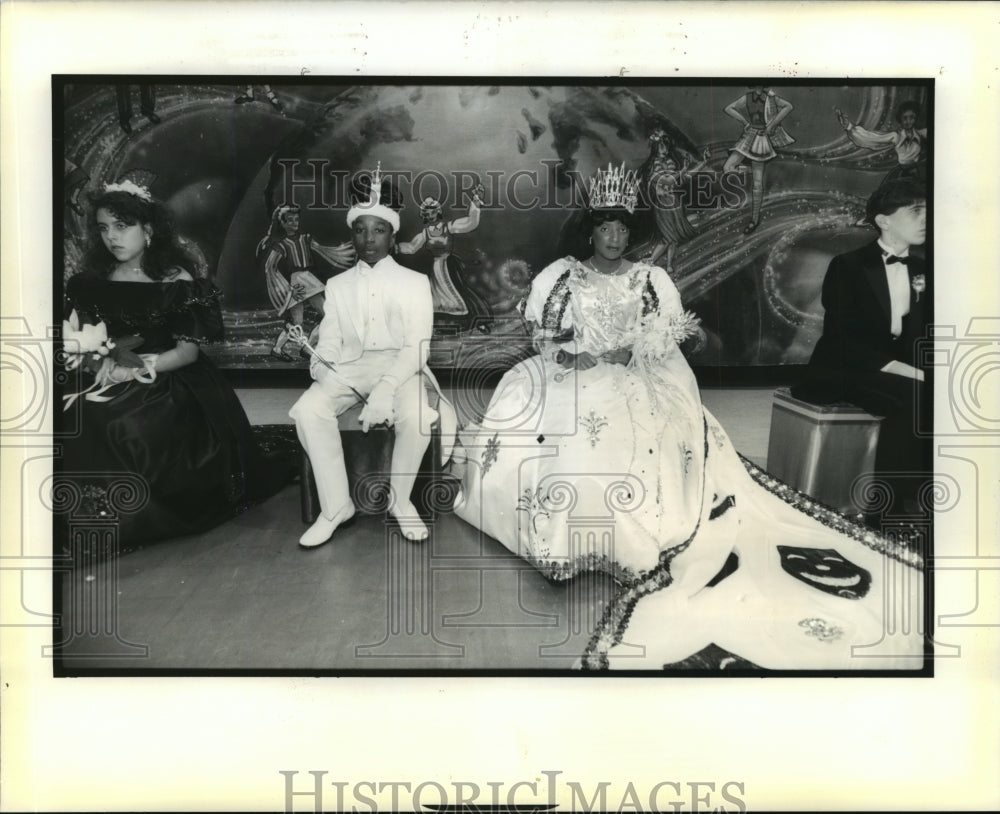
{"points": [[173, 431]]}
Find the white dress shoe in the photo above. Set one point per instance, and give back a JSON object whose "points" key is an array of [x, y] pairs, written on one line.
{"points": [[410, 524], [322, 530]]}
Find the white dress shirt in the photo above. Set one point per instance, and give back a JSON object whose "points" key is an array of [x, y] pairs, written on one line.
{"points": [[382, 308], [898, 277]]}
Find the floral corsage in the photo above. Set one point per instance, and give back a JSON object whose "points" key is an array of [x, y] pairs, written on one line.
{"points": [[919, 285], [110, 361]]}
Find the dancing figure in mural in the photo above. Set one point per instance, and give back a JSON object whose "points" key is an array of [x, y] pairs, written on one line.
{"points": [[451, 294], [909, 142], [761, 111], [659, 189], [287, 257], [248, 97]]}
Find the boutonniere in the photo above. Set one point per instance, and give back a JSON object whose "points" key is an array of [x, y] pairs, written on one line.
{"points": [[918, 284]]}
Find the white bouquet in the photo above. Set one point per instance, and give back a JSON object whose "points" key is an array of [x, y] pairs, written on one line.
{"points": [[657, 335]]}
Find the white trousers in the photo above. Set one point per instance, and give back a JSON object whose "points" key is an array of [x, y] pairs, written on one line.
{"points": [[315, 415]]}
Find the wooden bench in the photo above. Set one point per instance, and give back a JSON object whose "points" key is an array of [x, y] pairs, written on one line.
{"points": [[822, 449], [368, 459]]}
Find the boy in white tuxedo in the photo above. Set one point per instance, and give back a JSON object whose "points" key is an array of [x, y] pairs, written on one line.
{"points": [[375, 332]]}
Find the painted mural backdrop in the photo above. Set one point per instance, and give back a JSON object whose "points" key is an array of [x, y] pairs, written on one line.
{"points": [[748, 190]]}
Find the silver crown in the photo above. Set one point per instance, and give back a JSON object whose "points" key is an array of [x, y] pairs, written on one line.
{"points": [[615, 188]]}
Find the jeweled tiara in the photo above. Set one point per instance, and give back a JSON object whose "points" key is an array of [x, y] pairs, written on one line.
{"points": [[614, 188]]}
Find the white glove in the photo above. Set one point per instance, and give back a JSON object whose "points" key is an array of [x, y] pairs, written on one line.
{"points": [[116, 374], [378, 410], [149, 374], [317, 369]]}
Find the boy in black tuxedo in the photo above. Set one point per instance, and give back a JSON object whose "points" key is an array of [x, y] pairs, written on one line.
{"points": [[878, 302]]}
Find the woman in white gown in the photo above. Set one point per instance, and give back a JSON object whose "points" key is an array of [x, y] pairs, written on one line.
{"points": [[596, 454]]}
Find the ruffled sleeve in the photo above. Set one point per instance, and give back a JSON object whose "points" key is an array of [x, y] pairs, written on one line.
{"points": [[75, 300], [661, 294], [195, 311], [656, 353], [546, 304], [665, 325]]}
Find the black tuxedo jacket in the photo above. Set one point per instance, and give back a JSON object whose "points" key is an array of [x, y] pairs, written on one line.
{"points": [[856, 326]]}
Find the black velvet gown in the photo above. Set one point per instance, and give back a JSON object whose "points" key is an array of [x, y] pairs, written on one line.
{"points": [[169, 458]]}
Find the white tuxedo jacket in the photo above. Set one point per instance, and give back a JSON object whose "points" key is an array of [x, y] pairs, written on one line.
{"points": [[385, 307]]}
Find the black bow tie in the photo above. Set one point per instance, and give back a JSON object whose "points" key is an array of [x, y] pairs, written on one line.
{"points": [[891, 258]]}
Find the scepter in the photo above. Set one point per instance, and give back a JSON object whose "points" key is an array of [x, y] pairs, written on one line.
{"points": [[297, 335]]}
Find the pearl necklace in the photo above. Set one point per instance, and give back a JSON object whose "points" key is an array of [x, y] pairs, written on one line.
{"points": [[615, 273]]}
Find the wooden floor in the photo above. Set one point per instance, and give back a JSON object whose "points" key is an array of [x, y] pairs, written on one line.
{"points": [[244, 597]]}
